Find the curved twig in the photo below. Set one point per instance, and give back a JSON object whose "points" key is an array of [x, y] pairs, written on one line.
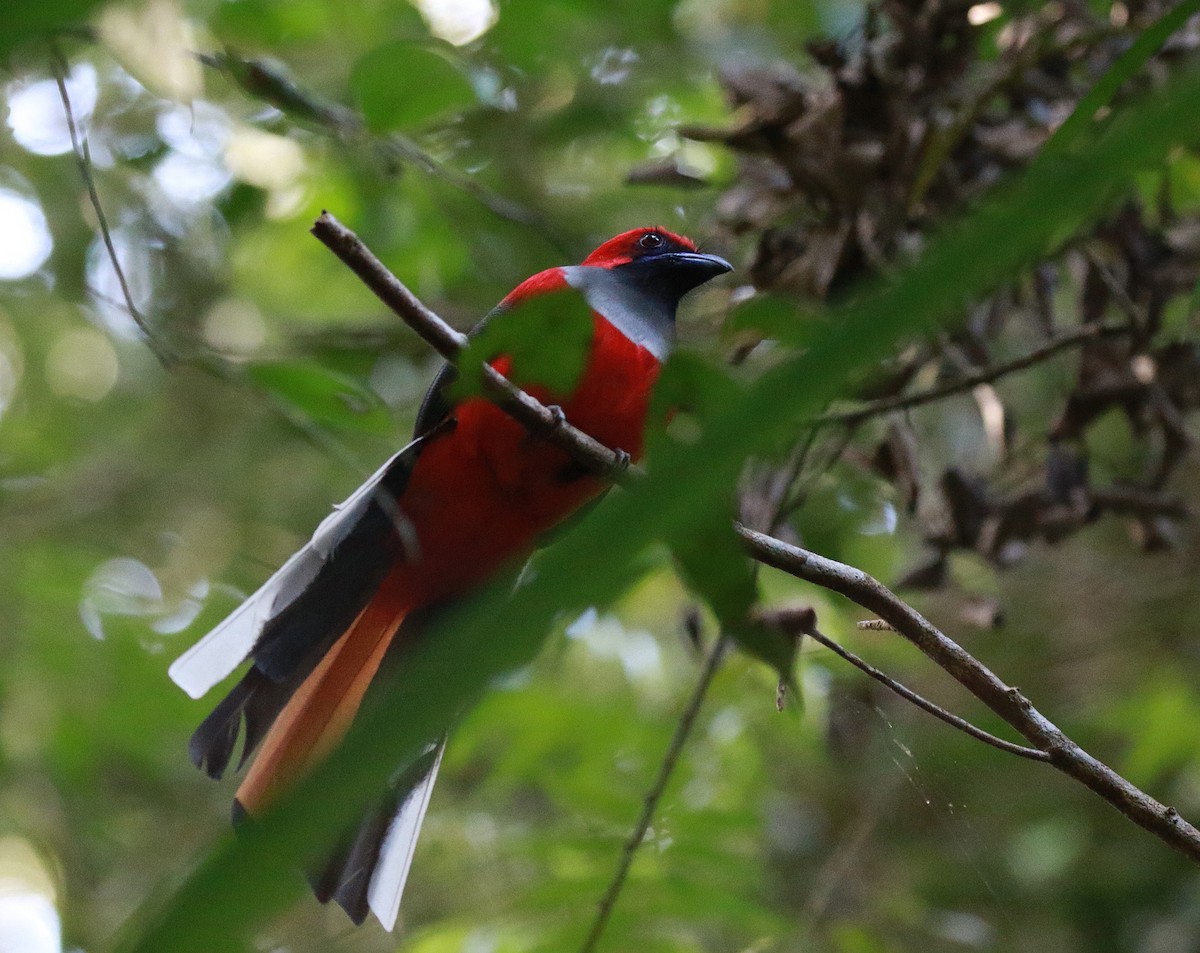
{"points": [[803, 621], [83, 158], [985, 375]]}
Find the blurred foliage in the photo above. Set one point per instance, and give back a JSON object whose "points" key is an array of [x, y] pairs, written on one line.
{"points": [[139, 501]]}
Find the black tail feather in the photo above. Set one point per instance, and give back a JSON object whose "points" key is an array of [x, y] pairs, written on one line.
{"points": [[255, 701], [346, 877]]}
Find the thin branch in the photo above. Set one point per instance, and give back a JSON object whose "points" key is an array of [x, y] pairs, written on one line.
{"points": [[83, 158], [985, 375], [1136, 501], [798, 495], [1130, 308], [683, 729], [448, 342], [803, 622], [1005, 700], [765, 508], [270, 84]]}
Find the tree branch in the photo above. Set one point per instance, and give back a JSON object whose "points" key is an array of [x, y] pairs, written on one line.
{"points": [[449, 343], [1006, 701], [270, 84]]}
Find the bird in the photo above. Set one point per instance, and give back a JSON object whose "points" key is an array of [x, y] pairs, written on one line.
{"points": [[470, 498]]}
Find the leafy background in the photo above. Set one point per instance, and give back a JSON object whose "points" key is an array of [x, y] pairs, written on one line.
{"points": [[138, 501]]}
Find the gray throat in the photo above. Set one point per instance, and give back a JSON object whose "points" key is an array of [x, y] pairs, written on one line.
{"points": [[645, 319]]}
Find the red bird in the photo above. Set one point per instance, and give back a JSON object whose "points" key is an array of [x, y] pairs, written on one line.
{"points": [[470, 496]]}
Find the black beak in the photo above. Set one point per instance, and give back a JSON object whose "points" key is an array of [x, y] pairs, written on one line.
{"points": [[701, 267], [680, 272]]}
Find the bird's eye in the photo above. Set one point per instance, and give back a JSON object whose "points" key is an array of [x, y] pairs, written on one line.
{"points": [[651, 240]]}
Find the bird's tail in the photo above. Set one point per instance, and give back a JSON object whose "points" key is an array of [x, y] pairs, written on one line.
{"points": [[317, 632], [294, 724]]}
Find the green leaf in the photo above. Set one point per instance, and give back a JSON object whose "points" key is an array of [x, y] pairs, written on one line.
{"points": [[403, 86], [707, 553], [775, 317], [710, 560], [546, 339], [26, 20], [689, 383], [1130, 62], [325, 397]]}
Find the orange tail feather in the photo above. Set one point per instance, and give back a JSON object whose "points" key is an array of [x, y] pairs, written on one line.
{"points": [[319, 713]]}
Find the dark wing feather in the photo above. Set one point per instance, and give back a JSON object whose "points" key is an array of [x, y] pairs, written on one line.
{"points": [[303, 630]]}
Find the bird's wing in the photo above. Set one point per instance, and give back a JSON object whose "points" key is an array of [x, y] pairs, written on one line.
{"points": [[211, 659]]}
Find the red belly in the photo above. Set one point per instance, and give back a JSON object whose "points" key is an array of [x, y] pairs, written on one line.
{"points": [[480, 496]]}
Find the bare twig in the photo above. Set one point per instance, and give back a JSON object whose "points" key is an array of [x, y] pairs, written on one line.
{"points": [[1130, 308], [985, 375], [1135, 501], [1006, 701], [802, 621], [797, 495], [83, 157], [269, 83], [537, 418], [683, 729]]}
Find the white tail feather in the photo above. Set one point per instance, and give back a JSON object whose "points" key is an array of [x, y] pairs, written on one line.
{"points": [[396, 852], [216, 655]]}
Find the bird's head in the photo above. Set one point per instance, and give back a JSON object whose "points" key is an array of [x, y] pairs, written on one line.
{"points": [[658, 259]]}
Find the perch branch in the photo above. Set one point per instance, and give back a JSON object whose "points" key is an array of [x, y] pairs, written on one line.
{"points": [[1006, 701], [449, 343]]}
